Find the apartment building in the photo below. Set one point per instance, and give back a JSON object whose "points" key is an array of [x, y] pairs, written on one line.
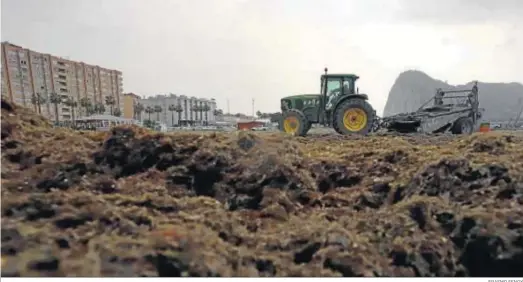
{"points": [[129, 102], [27, 73], [192, 110]]}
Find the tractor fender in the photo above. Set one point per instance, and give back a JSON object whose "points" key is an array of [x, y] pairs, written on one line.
{"points": [[357, 96], [353, 96]]}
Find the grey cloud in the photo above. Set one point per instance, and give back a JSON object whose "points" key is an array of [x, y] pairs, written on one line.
{"points": [[460, 11]]}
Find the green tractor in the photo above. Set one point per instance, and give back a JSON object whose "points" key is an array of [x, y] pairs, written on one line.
{"points": [[340, 105]]}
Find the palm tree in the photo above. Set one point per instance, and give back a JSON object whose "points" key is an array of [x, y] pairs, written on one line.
{"points": [[206, 108], [96, 108], [179, 110], [138, 109], [157, 109], [195, 109], [172, 109], [218, 112], [70, 102], [200, 109], [87, 105], [117, 112], [56, 100], [110, 101], [37, 101], [90, 109], [99, 108], [149, 110]]}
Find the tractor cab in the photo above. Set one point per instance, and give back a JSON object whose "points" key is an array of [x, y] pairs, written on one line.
{"points": [[336, 86], [337, 82]]}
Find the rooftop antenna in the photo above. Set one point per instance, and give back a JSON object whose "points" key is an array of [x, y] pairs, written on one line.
{"points": [[228, 109], [253, 108]]}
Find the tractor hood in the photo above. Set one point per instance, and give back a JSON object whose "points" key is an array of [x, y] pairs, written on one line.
{"points": [[300, 101], [302, 96]]}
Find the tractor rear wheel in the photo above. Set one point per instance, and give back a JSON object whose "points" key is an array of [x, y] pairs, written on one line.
{"points": [[294, 122], [354, 116]]}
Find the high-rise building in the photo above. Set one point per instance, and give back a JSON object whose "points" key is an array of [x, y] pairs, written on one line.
{"points": [[27, 74]]}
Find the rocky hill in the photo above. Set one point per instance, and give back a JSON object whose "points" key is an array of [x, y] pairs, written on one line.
{"points": [[501, 101]]}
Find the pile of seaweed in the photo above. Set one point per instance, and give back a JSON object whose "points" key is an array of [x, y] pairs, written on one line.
{"points": [[136, 203]]}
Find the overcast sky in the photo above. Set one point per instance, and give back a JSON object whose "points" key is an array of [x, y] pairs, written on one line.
{"points": [[238, 50]]}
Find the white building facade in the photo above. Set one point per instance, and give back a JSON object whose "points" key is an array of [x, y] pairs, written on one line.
{"points": [[192, 110]]}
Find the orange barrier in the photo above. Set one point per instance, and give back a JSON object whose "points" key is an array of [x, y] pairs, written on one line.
{"points": [[484, 127], [248, 125]]}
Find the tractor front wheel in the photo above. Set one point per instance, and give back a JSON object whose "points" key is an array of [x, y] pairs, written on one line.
{"points": [[354, 116], [294, 122]]}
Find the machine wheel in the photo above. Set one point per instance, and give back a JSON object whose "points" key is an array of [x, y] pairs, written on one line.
{"points": [[294, 122], [354, 116], [463, 125]]}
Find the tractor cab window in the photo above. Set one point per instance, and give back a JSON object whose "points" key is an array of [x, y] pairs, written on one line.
{"points": [[333, 91], [348, 87], [333, 86]]}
